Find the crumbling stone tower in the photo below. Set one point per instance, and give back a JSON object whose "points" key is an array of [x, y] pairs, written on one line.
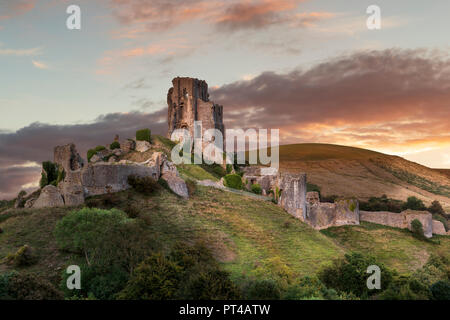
{"points": [[188, 101]]}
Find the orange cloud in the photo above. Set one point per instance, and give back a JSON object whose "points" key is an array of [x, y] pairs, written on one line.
{"points": [[392, 100], [226, 15]]}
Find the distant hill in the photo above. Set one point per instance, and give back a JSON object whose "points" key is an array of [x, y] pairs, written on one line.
{"points": [[444, 171], [348, 171]]}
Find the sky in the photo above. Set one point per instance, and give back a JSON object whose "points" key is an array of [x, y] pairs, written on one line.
{"points": [[310, 68]]}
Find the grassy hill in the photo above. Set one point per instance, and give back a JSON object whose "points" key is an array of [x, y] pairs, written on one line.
{"points": [[252, 238], [348, 171], [249, 237]]}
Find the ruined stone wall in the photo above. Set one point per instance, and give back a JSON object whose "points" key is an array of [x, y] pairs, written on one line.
{"points": [[438, 228], [324, 215], [400, 220], [293, 194], [67, 157], [102, 178]]}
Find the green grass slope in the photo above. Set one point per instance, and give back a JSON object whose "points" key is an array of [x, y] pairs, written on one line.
{"points": [[249, 237], [394, 247]]}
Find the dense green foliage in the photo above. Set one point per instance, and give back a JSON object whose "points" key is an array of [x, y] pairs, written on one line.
{"points": [[312, 187], [49, 174], [417, 229], [382, 204], [114, 145], [441, 290], [143, 135], [349, 274], [309, 288], [233, 181], [265, 289], [420, 285], [187, 273], [436, 208], [256, 188], [414, 203], [24, 286], [103, 237], [156, 278], [91, 152]]}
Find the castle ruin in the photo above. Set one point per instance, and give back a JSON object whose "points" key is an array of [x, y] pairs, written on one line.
{"points": [[188, 101]]}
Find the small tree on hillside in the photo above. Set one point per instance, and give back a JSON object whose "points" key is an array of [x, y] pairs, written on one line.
{"points": [[436, 208], [414, 203]]}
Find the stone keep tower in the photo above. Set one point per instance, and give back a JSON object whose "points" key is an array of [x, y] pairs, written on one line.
{"points": [[188, 101]]}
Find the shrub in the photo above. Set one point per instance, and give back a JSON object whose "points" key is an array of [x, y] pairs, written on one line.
{"points": [[440, 290], [312, 187], [348, 274], [49, 174], [4, 285], [97, 282], [382, 204], [414, 203], [435, 269], [156, 278], [309, 288], [229, 168], [132, 210], [23, 257], [233, 181], [114, 145], [256, 188], [266, 289], [91, 152], [143, 135], [87, 231], [417, 229], [212, 284], [219, 171], [405, 288], [144, 185], [436, 208], [201, 277], [23, 286], [61, 176]]}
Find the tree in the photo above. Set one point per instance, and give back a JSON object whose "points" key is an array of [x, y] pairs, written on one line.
{"points": [[414, 203], [156, 278], [88, 230], [436, 208], [349, 274]]}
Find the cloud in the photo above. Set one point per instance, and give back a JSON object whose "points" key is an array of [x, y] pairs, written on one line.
{"points": [[35, 143], [225, 15], [137, 84], [20, 52], [164, 49], [39, 65], [11, 9], [392, 99]]}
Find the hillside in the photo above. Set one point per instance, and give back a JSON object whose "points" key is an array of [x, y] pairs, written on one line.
{"points": [[251, 238], [348, 171]]}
